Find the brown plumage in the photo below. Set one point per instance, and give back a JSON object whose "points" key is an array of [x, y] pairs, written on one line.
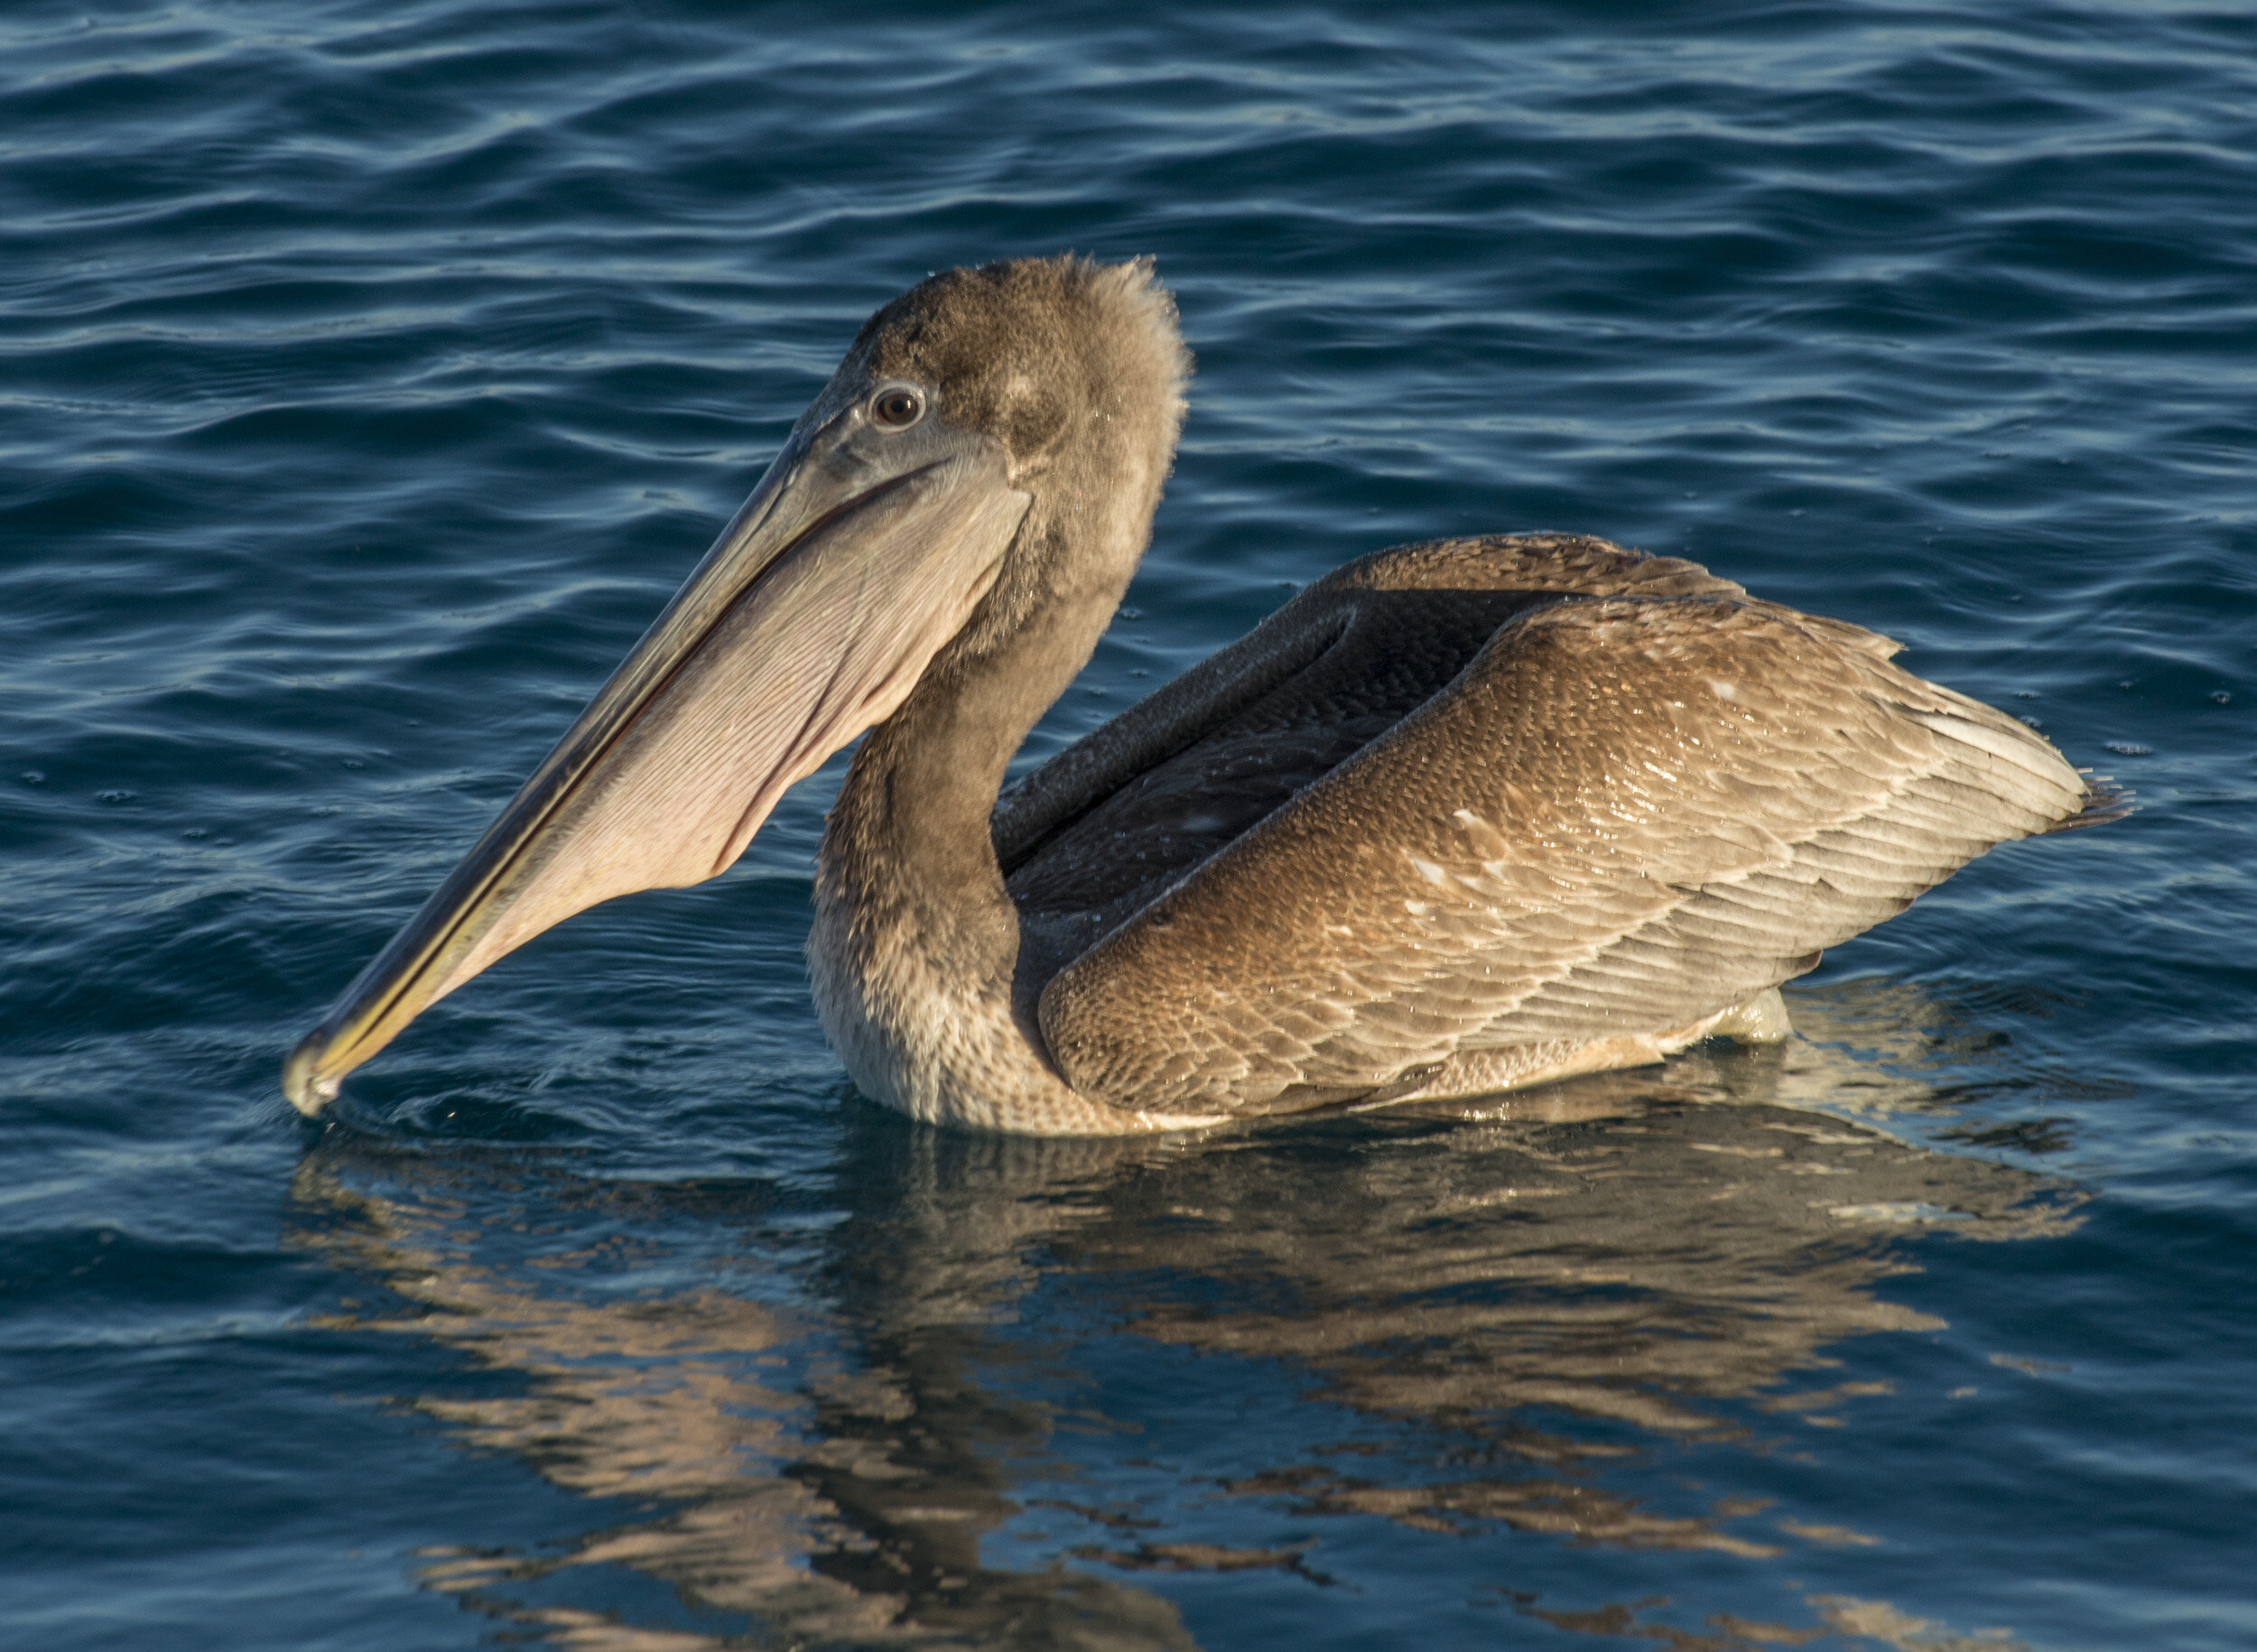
{"points": [[1460, 816]]}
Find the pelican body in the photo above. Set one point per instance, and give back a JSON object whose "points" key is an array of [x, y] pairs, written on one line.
{"points": [[1462, 816]]}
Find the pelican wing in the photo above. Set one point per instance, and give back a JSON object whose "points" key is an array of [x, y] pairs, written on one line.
{"points": [[1105, 826], [1642, 798], [1433, 589]]}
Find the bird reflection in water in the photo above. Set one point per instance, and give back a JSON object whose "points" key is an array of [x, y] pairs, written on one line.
{"points": [[835, 1429]]}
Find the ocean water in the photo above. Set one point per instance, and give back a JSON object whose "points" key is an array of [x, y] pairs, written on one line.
{"points": [[369, 374]]}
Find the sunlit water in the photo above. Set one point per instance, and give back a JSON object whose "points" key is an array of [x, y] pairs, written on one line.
{"points": [[370, 374]]}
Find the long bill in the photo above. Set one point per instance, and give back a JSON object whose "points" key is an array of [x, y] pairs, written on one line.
{"points": [[811, 619]]}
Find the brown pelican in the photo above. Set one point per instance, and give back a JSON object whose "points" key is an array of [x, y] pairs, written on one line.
{"points": [[1461, 816]]}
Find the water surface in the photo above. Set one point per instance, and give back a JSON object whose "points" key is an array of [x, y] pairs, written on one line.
{"points": [[370, 374]]}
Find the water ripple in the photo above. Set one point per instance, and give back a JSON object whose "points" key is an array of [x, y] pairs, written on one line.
{"points": [[369, 376]]}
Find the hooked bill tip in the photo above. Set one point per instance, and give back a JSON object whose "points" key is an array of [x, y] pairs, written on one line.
{"points": [[302, 1084]]}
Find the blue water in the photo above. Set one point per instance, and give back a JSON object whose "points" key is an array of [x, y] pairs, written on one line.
{"points": [[370, 374]]}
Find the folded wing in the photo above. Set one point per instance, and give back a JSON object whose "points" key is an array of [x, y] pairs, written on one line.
{"points": [[1644, 798]]}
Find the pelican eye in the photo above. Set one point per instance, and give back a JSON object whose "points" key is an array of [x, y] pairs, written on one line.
{"points": [[896, 407]]}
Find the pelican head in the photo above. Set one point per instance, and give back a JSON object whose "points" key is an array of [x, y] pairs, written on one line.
{"points": [[986, 457]]}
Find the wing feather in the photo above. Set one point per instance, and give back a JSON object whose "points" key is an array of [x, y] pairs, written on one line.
{"points": [[1292, 643], [1635, 807]]}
